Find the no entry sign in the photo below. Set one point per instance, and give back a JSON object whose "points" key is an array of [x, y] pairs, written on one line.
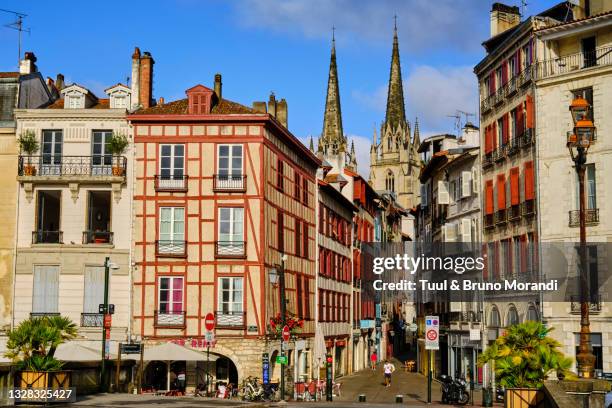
{"points": [[432, 333], [286, 333], [209, 322]]}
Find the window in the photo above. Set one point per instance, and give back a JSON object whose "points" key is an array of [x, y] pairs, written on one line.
{"points": [[171, 295], [532, 314], [45, 291], [171, 231], [172, 162], [596, 344], [306, 298], [48, 217], [513, 317], [229, 167], [74, 102], [590, 188], [299, 297], [305, 249], [98, 218], [101, 157], [298, 237], [231, 231], [589, 51], [494, 320], [390, 181], [305, 191], [500, 132], [120, 102], [52, 141], [297, 184], [280, 174], [280, 231], [230, 296], [94, 289]]}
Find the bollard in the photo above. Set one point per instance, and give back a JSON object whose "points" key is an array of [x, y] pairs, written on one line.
{"points": [[399, 399], [362, 398]]}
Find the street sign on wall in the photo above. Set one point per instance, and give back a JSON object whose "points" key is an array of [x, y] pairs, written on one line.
{"points": [[432, 333], [209, 322]]}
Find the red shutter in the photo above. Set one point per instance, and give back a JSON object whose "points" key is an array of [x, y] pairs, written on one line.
{"points": [[305, 249], [529, 181], [530, 113], [504, 69], [506, 129], [515, 197], [492, 83], [520, 121], [496, 268], [494, 136], [485, 270], [501, 192], [524, 253], [488, 139], [489, 197], [518, 61]]}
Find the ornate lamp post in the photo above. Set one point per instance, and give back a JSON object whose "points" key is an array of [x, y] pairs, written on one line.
{"points": [[578, 144]]}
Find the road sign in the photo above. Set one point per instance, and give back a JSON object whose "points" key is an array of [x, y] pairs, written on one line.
{"points": [[432, 333], [107, 320], [210, 337], [130, 348], [286, 333], [281, 360], [209, 322]]}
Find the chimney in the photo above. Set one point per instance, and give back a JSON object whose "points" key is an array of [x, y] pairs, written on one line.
{"points": [[218, 85], [503, 17], [135, 78], [59, 82], [161, 100], [281, 112], [272, 105], [260, 107], [145, 95], [28, 64]]}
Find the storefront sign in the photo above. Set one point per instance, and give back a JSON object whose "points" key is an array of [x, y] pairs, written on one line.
{"points": [[265, 366], [366, 324]]}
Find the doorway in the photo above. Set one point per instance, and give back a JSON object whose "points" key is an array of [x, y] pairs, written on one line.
{"points": [[48, 217], [98, 218]]}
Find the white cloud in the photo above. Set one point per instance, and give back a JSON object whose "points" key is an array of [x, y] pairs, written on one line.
{"points": [[432, 94], [422, 24]]}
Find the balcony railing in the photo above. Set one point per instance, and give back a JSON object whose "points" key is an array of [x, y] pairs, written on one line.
{"points": [[499, 154], [171, 182], [501, 217], [230, 249], [230, 320], [171, 248], [489, 221], [92, 319], [526, 139], [514, 214], [67, 166], [594, 304], [229, 182], [44, 314], [174, 319], [97, 237], [528, 208], [506, 90], [591, 217], [487, 160], [47, 237], [513, 146], [575, 62]]}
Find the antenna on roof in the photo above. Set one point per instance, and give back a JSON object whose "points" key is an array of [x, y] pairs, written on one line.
{"points": [[17, 26], [460, 123], [523, 7]]}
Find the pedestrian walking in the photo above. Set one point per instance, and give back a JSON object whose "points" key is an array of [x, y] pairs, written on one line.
{"points": [[373, 360], [388, 369]]}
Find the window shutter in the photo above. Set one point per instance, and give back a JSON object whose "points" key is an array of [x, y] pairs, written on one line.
{"points": [[466, 184], [523, 243], [443, 195], [450, 232], [530, 113], [424, 201], [45, 296], [501, 192], [305, 248], [518, 61], [515, 197], [529, 181], [489, 197], [494, 135], [474, 181], [94, 288], [485, 271], [466, 230], [520, 121], [504, 72], [506, 130], [488, 141], [492, 83]]}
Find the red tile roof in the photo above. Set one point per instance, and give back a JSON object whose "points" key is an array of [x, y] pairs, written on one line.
{"points": [[223, 107], [9, 74], [101, 104]]}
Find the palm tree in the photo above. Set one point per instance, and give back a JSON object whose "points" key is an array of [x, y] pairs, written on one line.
{"points": [[32, 344], [524, 356]]}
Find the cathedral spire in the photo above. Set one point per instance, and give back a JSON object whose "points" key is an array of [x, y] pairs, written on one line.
{"points": [[396, 113], [333, 134], [311, 146], [353, 161], [416, 141]]}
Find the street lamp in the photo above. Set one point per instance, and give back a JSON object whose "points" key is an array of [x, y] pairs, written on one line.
{"points": [[277, 277], [578, 144], [108, 265]]}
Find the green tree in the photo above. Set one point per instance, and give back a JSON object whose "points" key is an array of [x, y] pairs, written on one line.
{"points": [[32, 344], [524, 356]]}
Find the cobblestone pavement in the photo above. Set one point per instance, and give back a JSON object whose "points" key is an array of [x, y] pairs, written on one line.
{"points": [[122, 400]]}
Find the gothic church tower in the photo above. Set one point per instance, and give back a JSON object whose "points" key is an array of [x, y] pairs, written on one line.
{"points": [[394, 160]]}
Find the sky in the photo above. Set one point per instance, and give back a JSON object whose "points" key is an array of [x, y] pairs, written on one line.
{"points": [[263, 46]]}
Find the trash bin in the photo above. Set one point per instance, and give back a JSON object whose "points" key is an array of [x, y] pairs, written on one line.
{"points": [[487, 397]]}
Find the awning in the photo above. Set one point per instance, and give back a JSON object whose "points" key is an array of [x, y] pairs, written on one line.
{"points": [[173, 352], [73, 351]]}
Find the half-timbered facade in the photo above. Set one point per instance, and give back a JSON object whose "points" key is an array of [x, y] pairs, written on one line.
{"points": [[222, 192]]}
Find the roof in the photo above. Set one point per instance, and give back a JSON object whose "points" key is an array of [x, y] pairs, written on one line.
{"points": [[571, 24], [180, 107], [337, 195], [100, 104], [9, 74], [335, 178]]}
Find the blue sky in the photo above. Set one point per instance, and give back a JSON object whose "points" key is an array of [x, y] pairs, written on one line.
{"points": [[271, 45]]}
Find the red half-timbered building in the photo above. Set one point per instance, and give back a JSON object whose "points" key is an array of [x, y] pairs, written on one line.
{"points": [[221, 192]]}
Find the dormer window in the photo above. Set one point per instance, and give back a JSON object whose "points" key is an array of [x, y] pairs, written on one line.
{"points": [[77, 97], [120, 96], [200, 100], [75, 101]]}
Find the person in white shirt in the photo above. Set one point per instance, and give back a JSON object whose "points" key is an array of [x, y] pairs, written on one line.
{"points": [[388, 369]]}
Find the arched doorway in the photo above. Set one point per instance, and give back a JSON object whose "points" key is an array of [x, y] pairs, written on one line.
{"points": [[226, 371], [155, 375]]}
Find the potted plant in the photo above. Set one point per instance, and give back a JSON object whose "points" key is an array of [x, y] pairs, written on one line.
{"points": [[28, 145], [294, 324], [117, 144], [32, 345]]}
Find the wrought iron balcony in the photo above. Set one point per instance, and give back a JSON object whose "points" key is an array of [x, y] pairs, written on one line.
{"points": [[230, 320], [528, 208], [97, 237], [47, 237], [526, 139], [525, 76], [513, 146], [487, 160], [171, 182], [499, 154], [514, 213], [230, 249], [594, 304], [92, 319], [489, 221], [229, 182], [53, 167], [501, 217], [173, 319], [44, 314], [171, 248], [575, 62], [591, 217]]}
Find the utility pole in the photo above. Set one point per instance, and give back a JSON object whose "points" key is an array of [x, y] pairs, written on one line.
{"points": [[104, 325], [283, 310], [17, 26]]}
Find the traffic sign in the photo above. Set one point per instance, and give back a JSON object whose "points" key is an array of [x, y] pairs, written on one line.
{"points": [[286, 333], [209, 322], [281, 360], [432, 333], [210, 337], [108, 320]]}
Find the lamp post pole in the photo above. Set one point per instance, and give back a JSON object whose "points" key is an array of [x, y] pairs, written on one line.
{"points": [[283, 310], [104, 328]]}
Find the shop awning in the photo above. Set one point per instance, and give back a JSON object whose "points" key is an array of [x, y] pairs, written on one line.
{"points": [[73, 351], [173, 352]]}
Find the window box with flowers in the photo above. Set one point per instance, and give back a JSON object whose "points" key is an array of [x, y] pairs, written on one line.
{"points": [[294, 323]]}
